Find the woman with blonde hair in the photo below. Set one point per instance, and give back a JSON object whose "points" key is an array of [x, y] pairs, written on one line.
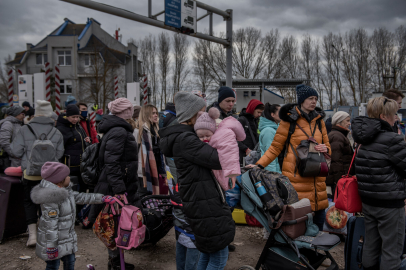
{"points": [[151, 166], [380, 166]]}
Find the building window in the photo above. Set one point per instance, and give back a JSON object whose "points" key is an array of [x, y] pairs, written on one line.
{"points": [[66, 86], [64, 58], [41, 58], [88, 60], [253, 93], [245, 93]]}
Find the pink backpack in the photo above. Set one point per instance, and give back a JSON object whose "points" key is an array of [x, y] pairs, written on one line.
{"points": [[131, 230]]}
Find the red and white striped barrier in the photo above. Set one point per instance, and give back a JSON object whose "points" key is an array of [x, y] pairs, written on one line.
{"points": [[57, 91], [19, 72], [145, 87], [116, 87], [10, 86], [47, 82], [93, 118]]}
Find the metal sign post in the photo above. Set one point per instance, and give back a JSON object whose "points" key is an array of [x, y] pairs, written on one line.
{"points": [[171, 21]]}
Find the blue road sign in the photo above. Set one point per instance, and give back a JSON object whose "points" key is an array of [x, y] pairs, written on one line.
{"points": [[173, 10]]}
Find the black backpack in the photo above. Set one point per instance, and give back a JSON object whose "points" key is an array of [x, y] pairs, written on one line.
{"points": [[89, 166], [292, 128]]}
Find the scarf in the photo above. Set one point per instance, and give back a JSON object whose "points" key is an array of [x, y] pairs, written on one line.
{"points": [[149, 168]]}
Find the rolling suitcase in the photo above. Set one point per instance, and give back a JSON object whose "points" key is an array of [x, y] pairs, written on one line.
{"points": [[12, 214], [354, 243]]}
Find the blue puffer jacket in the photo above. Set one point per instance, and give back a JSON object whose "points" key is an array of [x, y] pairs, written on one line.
{"points": [[267, 130]]}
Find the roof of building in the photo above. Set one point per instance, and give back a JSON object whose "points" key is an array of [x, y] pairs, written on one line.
{"points": [[17, 58], [73, 30], [243, 83], [112, 56], [40, 49]]}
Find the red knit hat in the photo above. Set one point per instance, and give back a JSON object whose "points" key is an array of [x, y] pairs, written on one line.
{"points": [[252, 105]]}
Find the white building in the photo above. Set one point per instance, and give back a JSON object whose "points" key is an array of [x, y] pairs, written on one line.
{"points": [[74, 47]]}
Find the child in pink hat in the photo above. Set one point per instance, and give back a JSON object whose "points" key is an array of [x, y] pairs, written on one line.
{"points": [[56, 237], [224, 139]]}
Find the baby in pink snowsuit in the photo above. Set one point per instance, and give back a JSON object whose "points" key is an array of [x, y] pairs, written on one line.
{"points": [[224, 139]]}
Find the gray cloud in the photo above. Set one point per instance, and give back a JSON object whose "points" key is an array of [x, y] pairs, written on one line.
{"points": [[28, 21]]}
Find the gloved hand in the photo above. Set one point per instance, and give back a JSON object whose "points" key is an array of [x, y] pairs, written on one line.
{"points": [[108, 199], [52, 253]]}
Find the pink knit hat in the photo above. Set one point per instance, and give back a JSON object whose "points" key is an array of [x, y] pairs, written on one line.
{"points": [[207, 120], [122, 108], [54, 172]]}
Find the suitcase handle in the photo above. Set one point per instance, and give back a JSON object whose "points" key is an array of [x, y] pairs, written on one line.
{"points": [[359, 251]]}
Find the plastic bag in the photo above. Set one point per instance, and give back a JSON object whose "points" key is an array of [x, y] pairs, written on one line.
{"points": [[233, 196]]}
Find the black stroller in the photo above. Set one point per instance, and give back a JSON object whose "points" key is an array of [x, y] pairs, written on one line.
{"points": [[281, 252]]}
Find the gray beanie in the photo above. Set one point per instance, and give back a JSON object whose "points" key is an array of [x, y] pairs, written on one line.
{"points": [[43, 108], [338, 117], [15, 110], [187, 105]]}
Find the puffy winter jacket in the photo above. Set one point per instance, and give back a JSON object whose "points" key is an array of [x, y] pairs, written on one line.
{"points": [[341, 155], [247, 120], [267, 130], [203, 200], [56, 227], [85, 124], [380, 164], [118, 160], [225, 139], [313, 188], [22, 144], [9, 128], [168, 116], [74, 143]]}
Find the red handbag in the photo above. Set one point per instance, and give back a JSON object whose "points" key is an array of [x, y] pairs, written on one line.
{"points": [[346, 197]]}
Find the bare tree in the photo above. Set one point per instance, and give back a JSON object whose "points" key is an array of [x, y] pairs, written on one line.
{"points": [[164, 46], [272, 56], [201, 69], [147, 52], [180, 55], [248, 52], [317, 72]]}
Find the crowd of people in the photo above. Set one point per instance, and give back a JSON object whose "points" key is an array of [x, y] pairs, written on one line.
{"points": [[203, 148]]}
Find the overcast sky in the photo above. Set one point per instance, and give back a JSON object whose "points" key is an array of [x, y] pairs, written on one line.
{"points": [[29, 21]]}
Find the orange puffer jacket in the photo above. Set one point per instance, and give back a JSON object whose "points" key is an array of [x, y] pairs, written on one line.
{"points": [[313, 188]]}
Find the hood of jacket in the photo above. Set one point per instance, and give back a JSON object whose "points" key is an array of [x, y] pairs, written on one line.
{"points": [[234, 125], [170, 107], [42, 120], [111, 121], [47, 192], [291, 112], [265, 123], [168, 136], [365, 129], [12, 119]]}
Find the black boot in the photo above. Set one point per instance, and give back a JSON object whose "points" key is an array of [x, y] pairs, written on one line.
{"points": [[231, 248], [114, 264]]}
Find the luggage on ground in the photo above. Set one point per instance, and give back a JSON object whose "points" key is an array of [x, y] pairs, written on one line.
{"points": [[354, 243], [12, 213]]}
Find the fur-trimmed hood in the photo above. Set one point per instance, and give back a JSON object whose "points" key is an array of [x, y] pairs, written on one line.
{"points": [[289, 113], [47, 192]]}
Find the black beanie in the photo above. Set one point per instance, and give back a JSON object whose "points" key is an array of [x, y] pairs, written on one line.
{"points": [[225, 92], [72, 109], [26, 103]]}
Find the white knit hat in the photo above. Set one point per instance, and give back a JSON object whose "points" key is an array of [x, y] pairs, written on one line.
{"points": [[43, 108], [338, 117]]}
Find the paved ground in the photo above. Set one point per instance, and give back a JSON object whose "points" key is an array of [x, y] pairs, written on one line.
{"points": [[248, 242]]}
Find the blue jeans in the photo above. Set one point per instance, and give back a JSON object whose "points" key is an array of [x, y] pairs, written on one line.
{"points": [[319, 218], [68, 263], [186, 258], [213, 261]]}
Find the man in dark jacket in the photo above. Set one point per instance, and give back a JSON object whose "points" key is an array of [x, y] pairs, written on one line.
{"points": [[118, 157], [249, 120], [380, 166], [225, 102], [86, 124], [168, 115], [203, 199]]}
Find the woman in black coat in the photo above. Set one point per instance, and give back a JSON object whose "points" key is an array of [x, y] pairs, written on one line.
{"points": [[341, 150], [203, 200], [75, 140], [119, 159]]}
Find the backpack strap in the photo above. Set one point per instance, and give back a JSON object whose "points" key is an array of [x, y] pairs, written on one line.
{"points": [[51, 133], [33, 131], [249, 128]]}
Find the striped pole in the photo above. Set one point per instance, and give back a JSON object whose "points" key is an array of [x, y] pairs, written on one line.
{"points": [[116, 87], [92, 118], [57, 91], [47, 82], [20, 72], [145, 86], [10, 86]]}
